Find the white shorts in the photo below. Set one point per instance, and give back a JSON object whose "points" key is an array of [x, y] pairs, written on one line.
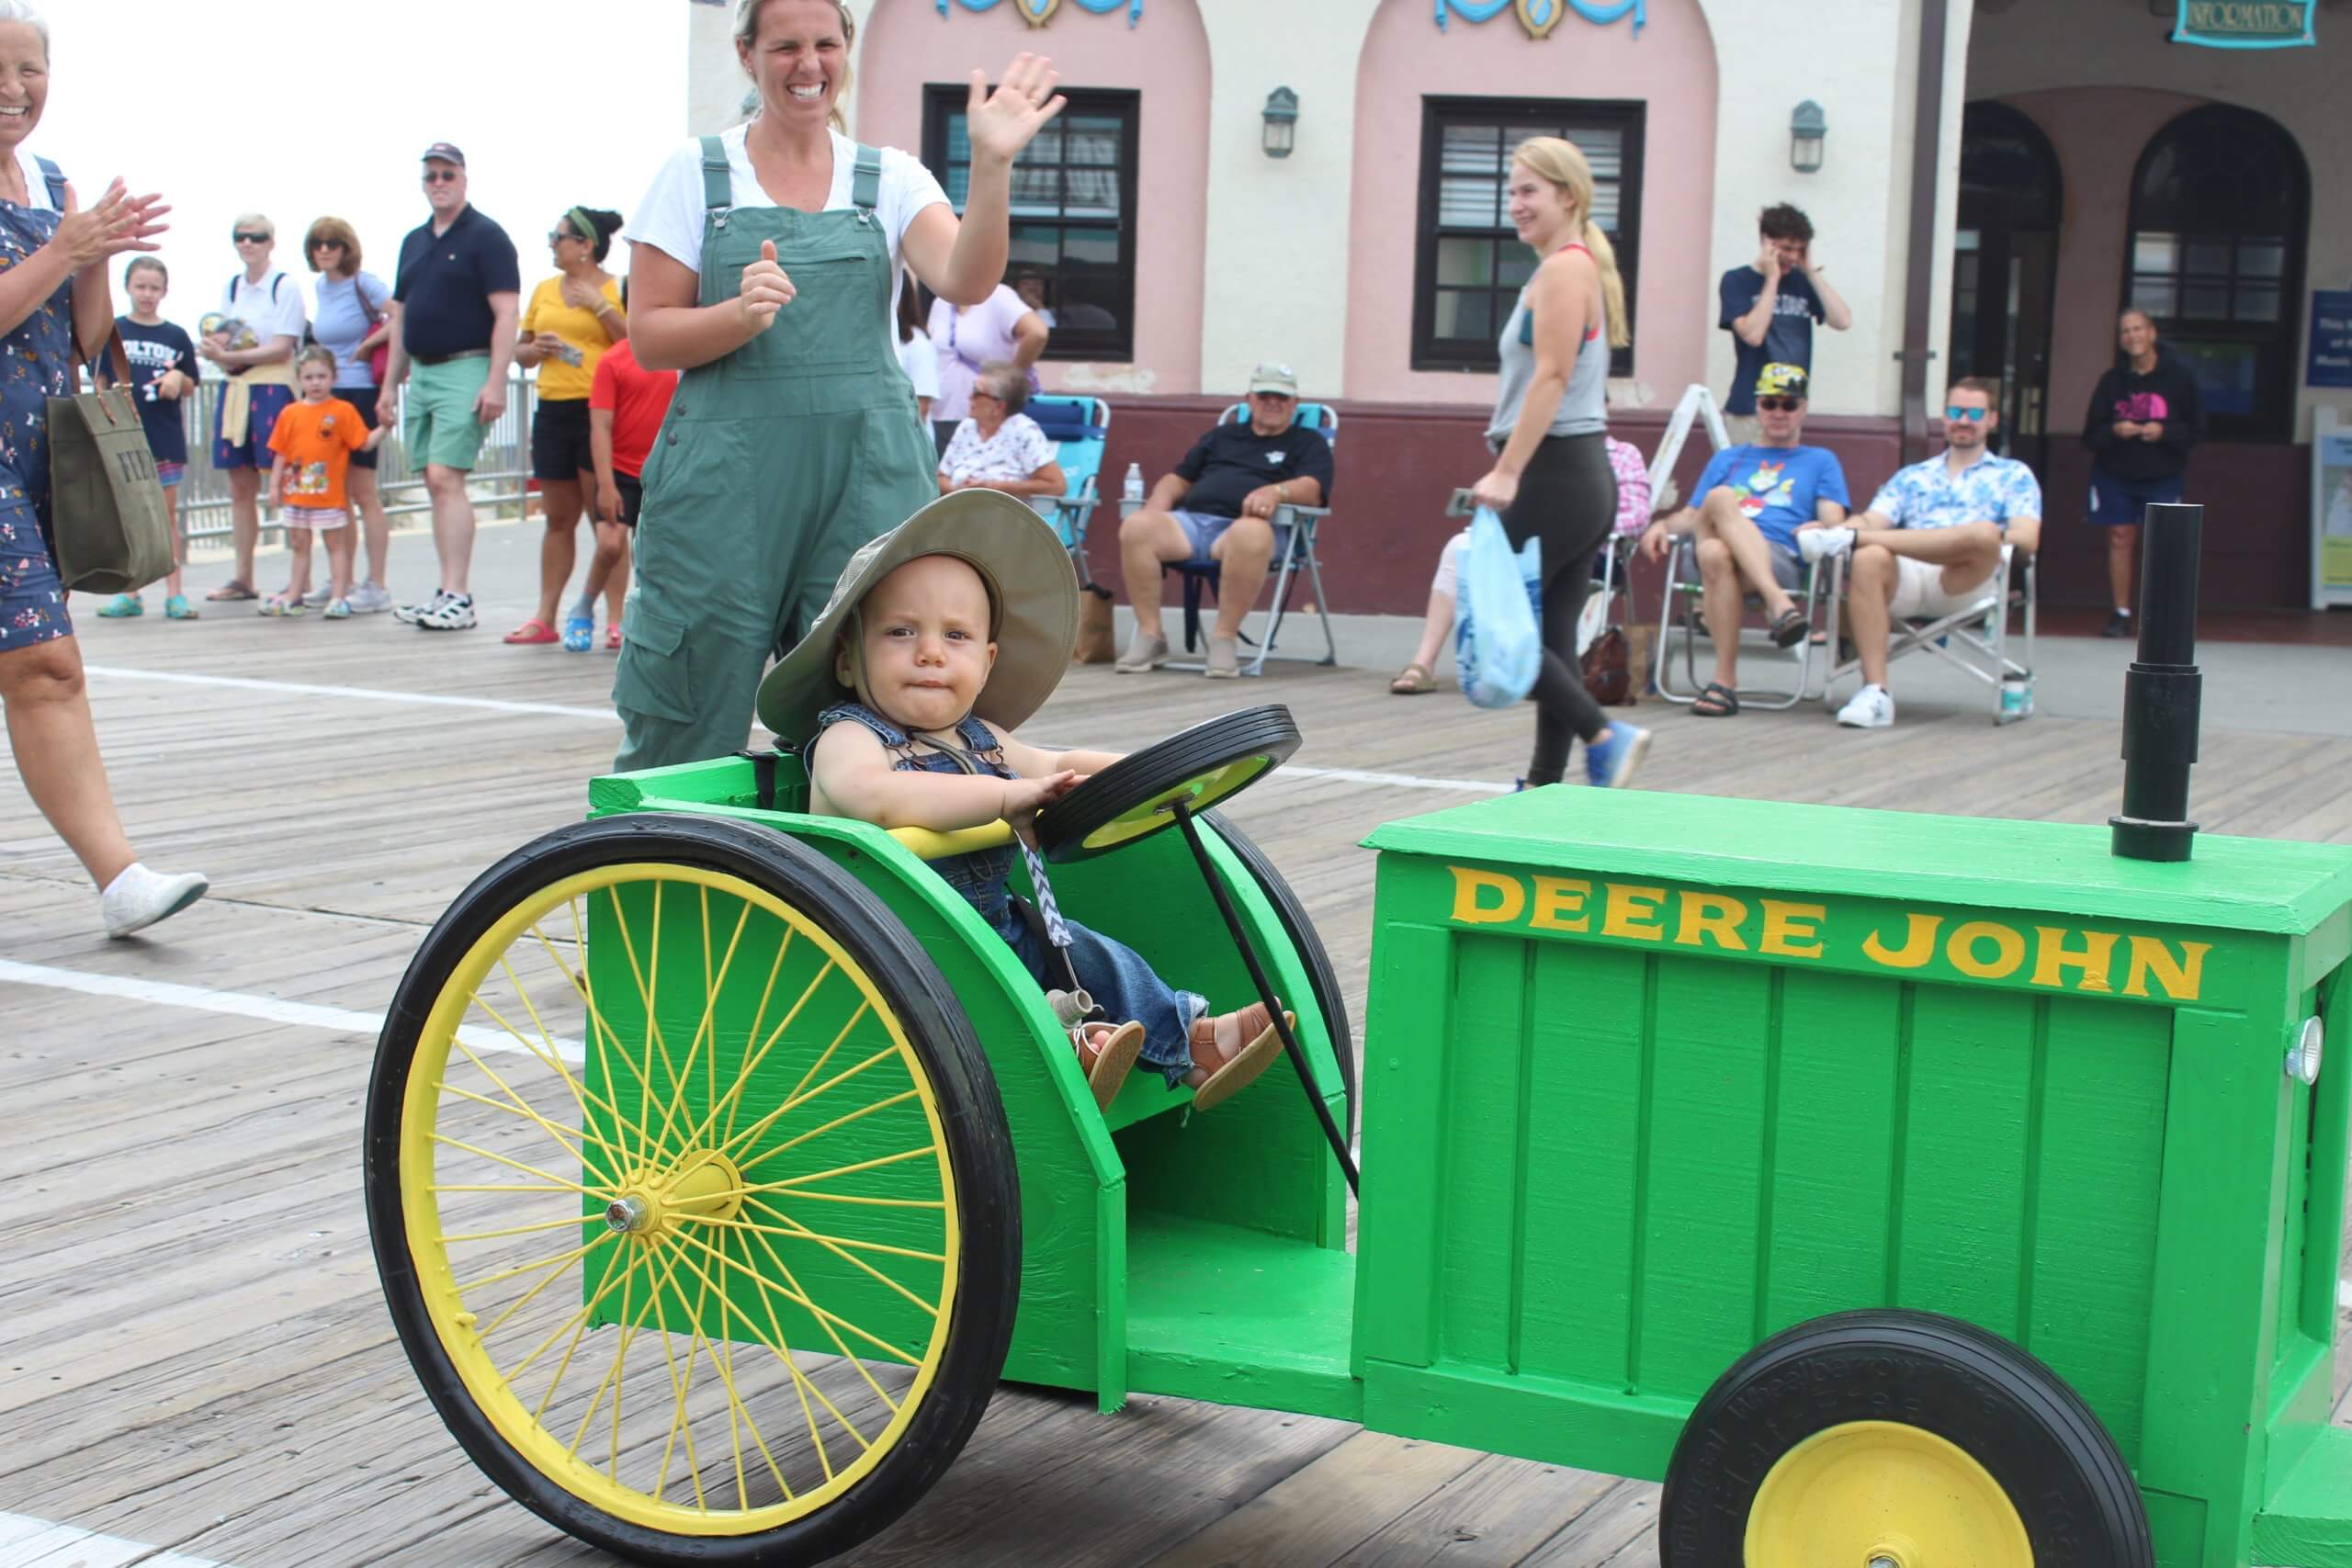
{"points": [[1448, 564], [1920, 591]]}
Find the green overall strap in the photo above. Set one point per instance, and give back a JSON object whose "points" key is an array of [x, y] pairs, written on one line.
{"points": [[865, 184], [717, 180]]}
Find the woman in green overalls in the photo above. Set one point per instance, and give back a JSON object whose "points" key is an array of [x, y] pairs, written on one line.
{"points": [[765, 265]]}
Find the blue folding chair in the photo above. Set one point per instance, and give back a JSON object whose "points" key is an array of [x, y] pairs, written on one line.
{"points": [[1294, 528], [1078, 428]]}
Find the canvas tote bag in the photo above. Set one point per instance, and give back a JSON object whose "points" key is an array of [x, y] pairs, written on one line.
{"points": [[107, 508]]}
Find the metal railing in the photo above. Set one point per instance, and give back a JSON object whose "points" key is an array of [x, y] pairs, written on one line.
{"points": [[501, 479]]}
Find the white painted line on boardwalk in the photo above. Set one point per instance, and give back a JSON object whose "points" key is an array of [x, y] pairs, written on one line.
{"points": [[28, 1542], [239, 1004], [606, 716]]}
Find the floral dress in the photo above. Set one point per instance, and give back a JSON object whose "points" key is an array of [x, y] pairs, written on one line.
{"points": [[35, 365]]}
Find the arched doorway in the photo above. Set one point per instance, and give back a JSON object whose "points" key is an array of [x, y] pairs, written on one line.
{"points": [[2004, 268], [2220, 203]]}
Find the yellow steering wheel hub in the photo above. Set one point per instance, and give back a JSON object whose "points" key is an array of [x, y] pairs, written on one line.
{"points": [[1882, 1495]]}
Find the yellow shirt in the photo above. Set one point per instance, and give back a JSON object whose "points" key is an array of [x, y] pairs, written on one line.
{"points": [[568, 376]]}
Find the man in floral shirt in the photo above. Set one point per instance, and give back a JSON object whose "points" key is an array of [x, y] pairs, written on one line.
{"points": [[1930, 543]]}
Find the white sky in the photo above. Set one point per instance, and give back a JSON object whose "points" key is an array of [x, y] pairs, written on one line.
{"points": [[297, 109]]}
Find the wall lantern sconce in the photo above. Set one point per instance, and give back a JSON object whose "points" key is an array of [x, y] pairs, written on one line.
{"points": [[1808, 128], [1282, 122]]}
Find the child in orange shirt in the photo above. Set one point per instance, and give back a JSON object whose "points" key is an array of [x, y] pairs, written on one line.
{"points": [[314, 440]]}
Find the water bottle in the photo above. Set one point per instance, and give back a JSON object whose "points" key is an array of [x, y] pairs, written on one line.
{"points": [[1134, 490], [2017, 698]]}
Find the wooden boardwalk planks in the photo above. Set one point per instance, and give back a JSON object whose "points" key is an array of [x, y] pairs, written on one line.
{"points": [[194, 1349]]}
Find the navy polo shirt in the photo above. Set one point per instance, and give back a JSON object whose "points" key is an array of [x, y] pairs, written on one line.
{"points": [[446, 281]]}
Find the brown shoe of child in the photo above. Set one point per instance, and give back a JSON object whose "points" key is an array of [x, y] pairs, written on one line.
{"points": [[1107, 1052], [1229, 1051]]}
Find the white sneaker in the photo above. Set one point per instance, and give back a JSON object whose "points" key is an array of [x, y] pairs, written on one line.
{"points": [[318, 598], [450, 613], [408, 615], [370, 598], [138, 897], [1872, 707], [1816, 543]]}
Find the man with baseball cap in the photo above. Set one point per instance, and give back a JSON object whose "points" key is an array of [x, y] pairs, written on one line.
{"points": [[454, 307], [1218, 506]]}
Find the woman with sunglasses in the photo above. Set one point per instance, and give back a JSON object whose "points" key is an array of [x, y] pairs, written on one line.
{"points": [[252, 338], [572, 320], [1552, 480], [352, 324]]}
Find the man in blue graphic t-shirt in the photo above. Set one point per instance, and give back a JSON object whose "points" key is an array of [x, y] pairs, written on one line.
{"points": [[1753, 500], [1770, 307]]}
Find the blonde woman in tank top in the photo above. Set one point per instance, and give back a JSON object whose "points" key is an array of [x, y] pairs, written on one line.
{"points": [[1551, 478]]}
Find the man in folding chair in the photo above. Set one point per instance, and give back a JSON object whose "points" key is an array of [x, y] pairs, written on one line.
{"points": [[1931, 544], [1218, 506], [1753, 500]]}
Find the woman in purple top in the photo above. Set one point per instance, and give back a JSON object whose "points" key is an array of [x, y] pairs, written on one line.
{"points": [[999, 327]]}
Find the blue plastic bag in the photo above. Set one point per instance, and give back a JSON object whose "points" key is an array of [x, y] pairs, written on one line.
{"points": [[1499, 641]]}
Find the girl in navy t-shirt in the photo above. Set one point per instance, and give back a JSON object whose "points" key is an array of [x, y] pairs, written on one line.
{"points": [[163, 370]]}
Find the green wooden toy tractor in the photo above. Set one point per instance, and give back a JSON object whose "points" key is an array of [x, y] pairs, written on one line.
{"points": [[1904, 1191]]}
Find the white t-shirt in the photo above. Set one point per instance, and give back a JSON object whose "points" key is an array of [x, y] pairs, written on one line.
{"points": [[670, 216], [282, 316], [1016, 451], [920, 362], [36, 182]]}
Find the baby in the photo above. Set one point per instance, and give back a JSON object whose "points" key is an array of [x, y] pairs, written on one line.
{"points": [[908, 706]]}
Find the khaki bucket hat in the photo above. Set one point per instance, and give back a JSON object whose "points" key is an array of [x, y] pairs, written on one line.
{"points": [[1033, 591]]}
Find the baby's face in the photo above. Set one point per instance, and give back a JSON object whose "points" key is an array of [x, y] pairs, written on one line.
{"points": [[927, 647]]}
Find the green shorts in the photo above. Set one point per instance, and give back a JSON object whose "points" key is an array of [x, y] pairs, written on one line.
{"points": [[440, 424]]}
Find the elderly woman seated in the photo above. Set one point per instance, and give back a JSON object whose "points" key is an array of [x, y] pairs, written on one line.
{"points": [[999, 447]]}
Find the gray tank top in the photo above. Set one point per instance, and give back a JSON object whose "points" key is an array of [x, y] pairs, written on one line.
{"points": [[1584, 406]]}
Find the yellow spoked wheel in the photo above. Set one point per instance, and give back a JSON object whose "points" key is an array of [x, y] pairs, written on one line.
{"points": [[1882, 1493], [692, 1193], [1791, 1461]]}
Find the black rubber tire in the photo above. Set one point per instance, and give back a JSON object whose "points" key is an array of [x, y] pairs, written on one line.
{"points": [[1307, 944], [2014, 1416], [1140, 776], [979, 1149]]}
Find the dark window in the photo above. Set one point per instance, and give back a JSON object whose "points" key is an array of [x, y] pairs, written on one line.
{"points": [[1469, 265], [2219, 206], [1073, 254]]}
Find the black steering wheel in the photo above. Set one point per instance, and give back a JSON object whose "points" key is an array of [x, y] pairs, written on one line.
{"points": [[1132, 798]]}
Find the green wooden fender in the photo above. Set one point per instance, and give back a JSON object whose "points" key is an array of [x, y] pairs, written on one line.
{"points": [[1126, 1247]]}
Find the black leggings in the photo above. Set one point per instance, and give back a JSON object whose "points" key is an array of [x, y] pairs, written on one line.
{"points": [[1567, 498]]}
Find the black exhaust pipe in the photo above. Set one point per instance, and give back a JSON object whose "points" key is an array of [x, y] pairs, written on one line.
{"points": [[2160, 692]]}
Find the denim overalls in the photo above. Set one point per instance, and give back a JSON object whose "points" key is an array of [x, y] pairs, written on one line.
{"points": [[773, 465], [1122, 983]]}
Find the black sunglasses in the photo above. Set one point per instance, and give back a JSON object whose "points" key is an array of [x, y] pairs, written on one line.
{"points": [[244, 238], [1779, 405], [557, 234], [439, 176], [326, 244]]}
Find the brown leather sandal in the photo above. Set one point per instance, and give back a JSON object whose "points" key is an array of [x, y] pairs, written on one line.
{"points": [[1107, 1052], [1259, 1044], [1413, 679]]}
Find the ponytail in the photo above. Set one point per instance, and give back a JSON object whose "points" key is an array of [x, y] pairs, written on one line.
{"points": [[1613, 283]]}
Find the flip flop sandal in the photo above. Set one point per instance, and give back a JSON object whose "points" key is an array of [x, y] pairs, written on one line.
{"points": [[1789, 627], [531, 633], [1412, 680], [1724, 700], [613, 637], [1113, 1054], [236, 588], [579, 633], [1242, 1070]]}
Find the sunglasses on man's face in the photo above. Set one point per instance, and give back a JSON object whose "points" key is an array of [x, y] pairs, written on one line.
{"points": [[439, 176], [1779, 405], [1955, 412], [244, 239]]}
